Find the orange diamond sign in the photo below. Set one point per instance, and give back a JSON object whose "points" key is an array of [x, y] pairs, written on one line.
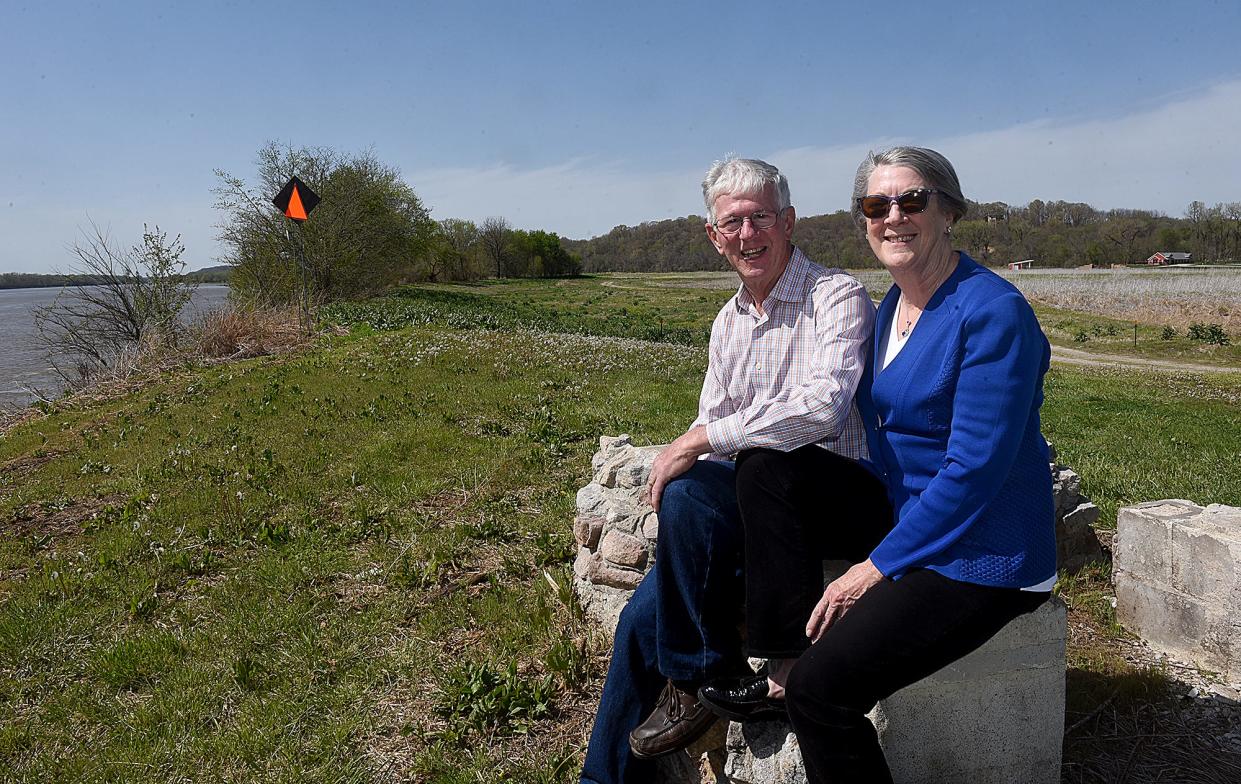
{"points": [[296, 200]]}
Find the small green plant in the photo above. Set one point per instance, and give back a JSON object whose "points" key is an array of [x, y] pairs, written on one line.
{"points": [[135, 661], [553, 548], [480, 698], [247, 674], [568, 660], [1081, 337], [489, 528], [1168, 333]]}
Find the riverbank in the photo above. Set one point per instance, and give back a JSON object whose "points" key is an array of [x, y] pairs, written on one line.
{"points": [[27, 373]]}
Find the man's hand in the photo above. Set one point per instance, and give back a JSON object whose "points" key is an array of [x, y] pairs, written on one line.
{"points": [[676, 459], [840, 595]]}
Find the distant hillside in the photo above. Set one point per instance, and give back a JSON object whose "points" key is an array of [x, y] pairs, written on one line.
{"points": [[217, 274], [681, 245], [1052, 234], [33, 280]]}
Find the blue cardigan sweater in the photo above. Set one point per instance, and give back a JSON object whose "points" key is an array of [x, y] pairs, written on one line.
{"points": [[959, 436]]}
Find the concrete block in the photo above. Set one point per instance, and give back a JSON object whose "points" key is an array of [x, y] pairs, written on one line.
{"points": [[994, 716], [1178, 580], [1143, 542]]}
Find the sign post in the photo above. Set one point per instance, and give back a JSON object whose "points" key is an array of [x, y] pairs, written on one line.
{"points": [[296, 200]]}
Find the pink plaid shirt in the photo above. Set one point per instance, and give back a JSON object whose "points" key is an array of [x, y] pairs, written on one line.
{"points": [[787, 378]]}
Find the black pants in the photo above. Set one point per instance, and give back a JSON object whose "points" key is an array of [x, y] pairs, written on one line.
{"points": [[799, 508], [899, 632]]}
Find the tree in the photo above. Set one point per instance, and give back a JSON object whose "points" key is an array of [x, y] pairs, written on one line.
{"points": [[493, 234], [136, 300], [369, 231], [1130, 236], [539, 254], [456, 251]]}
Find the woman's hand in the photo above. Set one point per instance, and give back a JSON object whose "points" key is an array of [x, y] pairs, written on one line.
{"points": [[840, 595]]}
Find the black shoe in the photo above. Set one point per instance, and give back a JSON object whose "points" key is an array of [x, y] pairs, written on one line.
{"points": [[677, 721], [741, 699]]}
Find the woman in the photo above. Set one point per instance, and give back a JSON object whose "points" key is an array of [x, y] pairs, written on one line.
{"points": [[958, 366]]}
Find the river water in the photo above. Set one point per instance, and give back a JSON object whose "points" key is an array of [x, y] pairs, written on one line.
{"points": [[24, 363]]}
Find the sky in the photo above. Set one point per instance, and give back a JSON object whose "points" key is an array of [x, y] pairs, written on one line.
{"points": [[576, 117]]}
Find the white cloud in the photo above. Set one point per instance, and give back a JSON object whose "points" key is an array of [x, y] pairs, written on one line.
{"points": [[1160, 158], [579, 198]]}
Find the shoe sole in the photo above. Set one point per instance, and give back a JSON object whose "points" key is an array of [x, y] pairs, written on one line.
{"points": [[770, 711]]}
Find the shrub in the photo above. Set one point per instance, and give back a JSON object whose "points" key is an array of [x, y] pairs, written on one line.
{"points": [[1168, 333], [1212, 334], [239, 332]]}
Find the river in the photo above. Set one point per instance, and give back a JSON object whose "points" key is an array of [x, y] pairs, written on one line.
{"points": [[24, 363]]}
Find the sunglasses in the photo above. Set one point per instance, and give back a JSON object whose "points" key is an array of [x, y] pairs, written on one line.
{"points": [[911, 203]]}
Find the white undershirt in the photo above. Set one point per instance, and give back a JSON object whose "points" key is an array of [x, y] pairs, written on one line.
{"points": [[890, 345]]}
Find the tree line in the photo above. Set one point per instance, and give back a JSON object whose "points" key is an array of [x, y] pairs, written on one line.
{"points": [[1052, 233], [36, 280], [369, 232]]}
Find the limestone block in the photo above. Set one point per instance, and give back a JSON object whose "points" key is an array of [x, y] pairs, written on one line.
{"points": [[591, 499], [1082, 515], [1177, 572], [994, 716], [609, 446], [688, 766], [1066, 489], [1076, 542], [650, 526], [599, 572], [623, 550], [997, 715], [763, 752], [623, 513], [587, 529], [1166, 619], [581, 564], [602, 603], [1143, 541]]}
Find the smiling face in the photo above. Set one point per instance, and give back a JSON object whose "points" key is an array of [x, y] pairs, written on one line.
{"points": [[758, 255], [904, 242]]}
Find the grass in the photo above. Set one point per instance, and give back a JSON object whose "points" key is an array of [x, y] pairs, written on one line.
{"points": [[679, 308], [1146, 436], [351, 564], [278, 570]]}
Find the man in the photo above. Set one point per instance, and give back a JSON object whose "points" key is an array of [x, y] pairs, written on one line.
{"points": [[787, 355]]}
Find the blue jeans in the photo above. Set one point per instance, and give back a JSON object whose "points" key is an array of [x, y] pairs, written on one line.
{"points": [[680, 623]]}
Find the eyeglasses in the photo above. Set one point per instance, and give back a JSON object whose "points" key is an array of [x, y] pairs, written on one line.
{"points": [[759, 220], [911, 202]]}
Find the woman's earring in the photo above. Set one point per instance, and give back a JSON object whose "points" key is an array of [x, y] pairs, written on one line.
{"points": [[948, 231]]}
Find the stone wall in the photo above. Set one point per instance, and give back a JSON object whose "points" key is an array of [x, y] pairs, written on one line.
{"points": [[616, 532]]}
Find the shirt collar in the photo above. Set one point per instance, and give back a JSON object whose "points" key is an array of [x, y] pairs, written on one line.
{"points": [[791, 287]]}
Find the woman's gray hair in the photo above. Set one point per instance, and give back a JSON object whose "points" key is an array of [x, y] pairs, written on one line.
{"points": [[743, 177], [933, 168]]}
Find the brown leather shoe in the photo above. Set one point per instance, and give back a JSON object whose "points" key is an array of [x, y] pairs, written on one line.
{"points": [[677, 721]]}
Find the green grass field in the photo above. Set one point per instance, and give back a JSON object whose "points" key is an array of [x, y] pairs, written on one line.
{"points": [[352, 564]]}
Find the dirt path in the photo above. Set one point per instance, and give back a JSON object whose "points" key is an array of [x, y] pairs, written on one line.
{"points": [[1072, 356]]}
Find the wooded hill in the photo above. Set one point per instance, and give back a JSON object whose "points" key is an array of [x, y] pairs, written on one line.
{"points": [[1053, 234], [34, 280]]}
